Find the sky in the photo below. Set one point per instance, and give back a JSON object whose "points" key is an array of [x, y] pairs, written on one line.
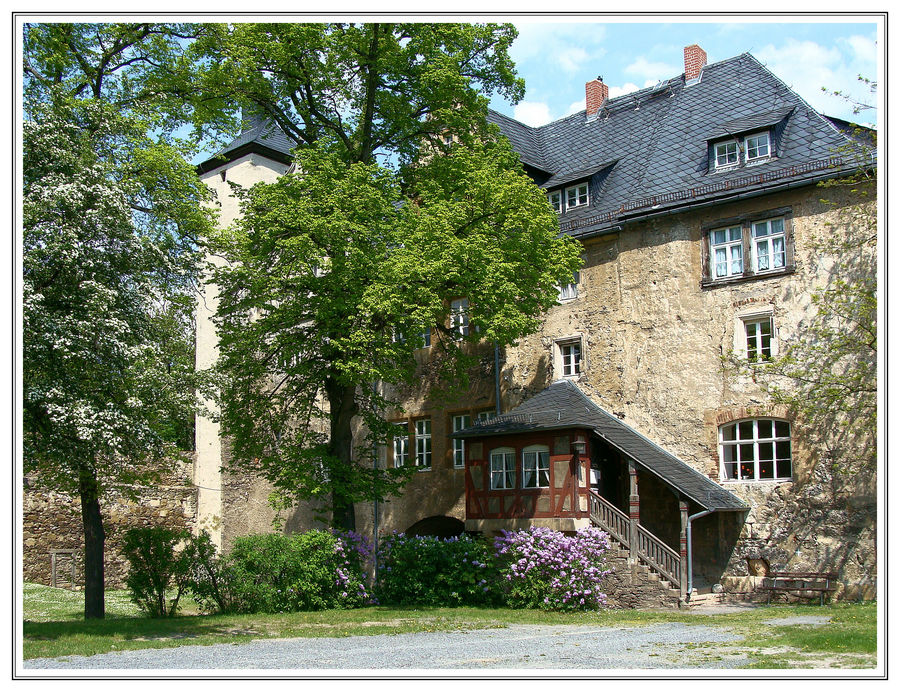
{"points": [[557, 55]]}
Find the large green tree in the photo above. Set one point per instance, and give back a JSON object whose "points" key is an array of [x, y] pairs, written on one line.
{"points": [[403, 200], [111, 221]]}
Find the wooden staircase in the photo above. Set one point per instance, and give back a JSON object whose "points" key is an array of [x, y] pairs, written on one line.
{"points": [[639, 545]]}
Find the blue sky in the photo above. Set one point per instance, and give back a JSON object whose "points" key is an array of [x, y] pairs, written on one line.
{"points": [[556, 55]]}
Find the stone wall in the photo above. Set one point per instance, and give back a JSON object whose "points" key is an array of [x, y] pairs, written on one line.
{"points": [[52, 522]]}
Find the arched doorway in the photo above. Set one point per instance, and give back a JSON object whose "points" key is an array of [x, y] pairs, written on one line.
{"points": [[439, 526]]}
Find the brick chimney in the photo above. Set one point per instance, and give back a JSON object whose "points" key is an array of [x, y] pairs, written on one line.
{"points": [[595, 93], [694, 61]]}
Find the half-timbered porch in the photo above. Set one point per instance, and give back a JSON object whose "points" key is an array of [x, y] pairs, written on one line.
{"points": [[561, 461]]}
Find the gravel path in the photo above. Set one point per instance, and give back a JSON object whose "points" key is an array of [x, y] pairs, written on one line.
{"points": [[557, 647]]}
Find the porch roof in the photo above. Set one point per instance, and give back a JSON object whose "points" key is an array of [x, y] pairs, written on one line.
{"points": [[563, 405]]}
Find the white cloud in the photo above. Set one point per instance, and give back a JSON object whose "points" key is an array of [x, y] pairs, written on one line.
{"points": [[808, 67], [532, 113], [615, 91], [576, 106], [652, 72], [573, 59]]}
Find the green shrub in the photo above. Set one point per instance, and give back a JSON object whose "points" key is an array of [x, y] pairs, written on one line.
{"points": [[155, 568], [274, 573], [424, 570]]}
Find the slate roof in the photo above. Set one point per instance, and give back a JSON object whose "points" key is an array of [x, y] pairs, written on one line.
{"points": [[260, 136], [564, 405], [659, 139]]}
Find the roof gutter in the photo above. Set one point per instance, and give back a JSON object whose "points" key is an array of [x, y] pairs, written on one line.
{"points": [[678, 209]]}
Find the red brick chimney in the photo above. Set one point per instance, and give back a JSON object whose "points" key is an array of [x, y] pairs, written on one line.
{"points": [[694, 61], [595, 93]]}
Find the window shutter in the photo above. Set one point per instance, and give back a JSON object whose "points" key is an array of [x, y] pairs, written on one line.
{"points": [[789, 242], [705, 261]]}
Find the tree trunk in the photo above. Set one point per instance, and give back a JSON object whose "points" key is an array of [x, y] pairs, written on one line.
{"points": [[342, 400], [88, 489]]}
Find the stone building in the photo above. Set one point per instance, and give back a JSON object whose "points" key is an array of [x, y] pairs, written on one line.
{"points": [[697, 205]]}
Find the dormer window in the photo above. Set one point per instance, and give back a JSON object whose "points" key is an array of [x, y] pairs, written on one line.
{"points": [[744, 151], [756, 147], [556, 201], [726, 154], [576, 196]]}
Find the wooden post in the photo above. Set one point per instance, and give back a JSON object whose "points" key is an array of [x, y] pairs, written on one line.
{"points": [[634, 512], [683, 576]]}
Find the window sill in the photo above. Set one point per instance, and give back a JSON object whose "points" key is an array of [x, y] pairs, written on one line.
{"points": [[760, 481], [726, 281], [423, 469]]}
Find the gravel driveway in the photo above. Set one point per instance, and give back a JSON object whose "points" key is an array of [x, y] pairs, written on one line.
{"points": [[549, 647]]}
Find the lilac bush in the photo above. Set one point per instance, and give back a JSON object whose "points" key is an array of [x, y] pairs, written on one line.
{"points": [[430, 571], [542, 568]]}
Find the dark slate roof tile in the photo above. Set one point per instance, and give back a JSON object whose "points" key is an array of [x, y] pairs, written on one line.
{"points": [[564, 405], [658, 136]]}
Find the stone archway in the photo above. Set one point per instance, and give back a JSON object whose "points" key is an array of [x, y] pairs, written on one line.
{"points": [[439, 526]]}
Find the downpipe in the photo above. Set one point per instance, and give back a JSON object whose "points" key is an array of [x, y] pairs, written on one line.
{"points": [[690, 551]]}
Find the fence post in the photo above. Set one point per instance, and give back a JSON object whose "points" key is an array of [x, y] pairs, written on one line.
{"points": [[634, 512], [683, 575]]}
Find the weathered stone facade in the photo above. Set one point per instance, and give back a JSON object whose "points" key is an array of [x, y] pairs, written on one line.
{"points": [[51, 522]]}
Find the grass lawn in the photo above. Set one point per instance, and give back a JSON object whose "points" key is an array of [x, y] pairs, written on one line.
{"points": [[54, 626]]}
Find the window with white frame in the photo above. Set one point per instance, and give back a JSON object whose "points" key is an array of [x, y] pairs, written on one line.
{"points": [[425, 337], [727, 248], [484, 415], [745, 248], [759, 333], [460, 422], [570, 290], [726, 154], [755, 450], [756, 147], [401, 444], [768, 248], [459, 317], [536, 467], [423, 443], [576, 196], [568, 357], [556, 200], [747, 150], [503, 468]]}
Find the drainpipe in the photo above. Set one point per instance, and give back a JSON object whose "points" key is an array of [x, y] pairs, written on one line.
{"points": [[375, 502], [497, 376], [690, 550]]}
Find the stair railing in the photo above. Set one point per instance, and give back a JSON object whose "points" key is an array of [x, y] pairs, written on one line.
{"points": [[650, 549]]}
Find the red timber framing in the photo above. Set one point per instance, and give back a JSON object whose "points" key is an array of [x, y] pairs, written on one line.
{"points": [[568, 491]]}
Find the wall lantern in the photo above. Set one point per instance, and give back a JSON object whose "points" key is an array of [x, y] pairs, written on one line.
{"points": [[579, 445]]}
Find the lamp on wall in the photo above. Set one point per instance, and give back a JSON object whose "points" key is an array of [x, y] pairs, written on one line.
{"points": [[579, 445]]}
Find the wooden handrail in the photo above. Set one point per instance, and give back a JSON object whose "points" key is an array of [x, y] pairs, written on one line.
{"points": [[650, 549]]}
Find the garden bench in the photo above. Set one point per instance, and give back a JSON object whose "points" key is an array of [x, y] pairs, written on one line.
{"points": [[800, 583]]}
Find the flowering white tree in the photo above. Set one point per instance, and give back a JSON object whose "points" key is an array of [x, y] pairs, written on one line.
{"points": [[112, 217]]}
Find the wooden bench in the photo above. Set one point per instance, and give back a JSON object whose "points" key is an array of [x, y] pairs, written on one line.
{"points": [[800, 583]]}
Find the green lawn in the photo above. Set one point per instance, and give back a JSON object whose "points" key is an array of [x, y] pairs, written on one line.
{"points": [[54, 627]]}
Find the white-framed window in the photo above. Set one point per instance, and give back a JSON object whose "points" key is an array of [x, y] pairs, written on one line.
{"points": [[747, 248], [569, 357], [756, 147], [749, 149], [726, 154], [727, 248], [459, 317], [570, 290], [556, 200], [401, 444], [759, 334], [484, 415], [768, 246], [576, 196], [423, 443], [460, 422], [425, 337], [503, 468], [536, 467], [755, 450]]}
